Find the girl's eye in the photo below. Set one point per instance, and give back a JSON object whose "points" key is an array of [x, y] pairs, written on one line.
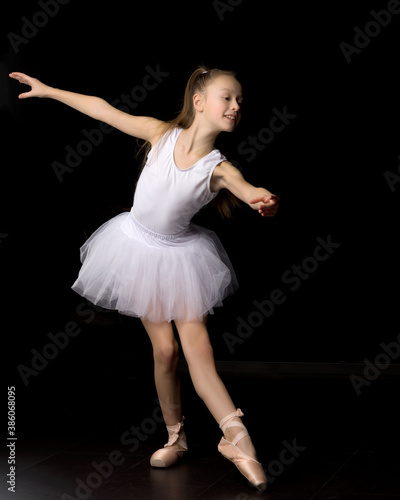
{"points": [[228, 99]]}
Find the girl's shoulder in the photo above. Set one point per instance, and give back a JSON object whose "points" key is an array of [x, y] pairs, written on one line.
{"points": [[161, 129], [164, 132]]}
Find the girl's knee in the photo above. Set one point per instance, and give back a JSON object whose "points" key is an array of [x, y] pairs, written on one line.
{"points": [[199, 350], [165, 346], [195, 341], [166, 354]]}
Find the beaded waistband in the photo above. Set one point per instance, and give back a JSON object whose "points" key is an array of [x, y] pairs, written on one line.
{"points": [[160, 236]]}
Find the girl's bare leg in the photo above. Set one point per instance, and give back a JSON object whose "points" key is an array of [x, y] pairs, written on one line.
{"points": [[166, 357], [207, 383]]}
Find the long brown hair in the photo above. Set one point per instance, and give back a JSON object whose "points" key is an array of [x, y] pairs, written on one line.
{"points": [[225, 202]]}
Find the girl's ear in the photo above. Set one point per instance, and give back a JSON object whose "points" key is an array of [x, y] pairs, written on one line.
{"points": [[198, 102]]}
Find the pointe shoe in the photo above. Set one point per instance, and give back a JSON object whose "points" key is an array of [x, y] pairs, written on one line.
{"points": [[167, 456], [250, 468]]}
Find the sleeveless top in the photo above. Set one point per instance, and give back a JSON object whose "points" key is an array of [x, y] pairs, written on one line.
{"points": [[167, 197]]}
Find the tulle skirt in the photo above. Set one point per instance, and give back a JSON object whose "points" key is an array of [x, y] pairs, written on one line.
{"points": [[128, 268]]}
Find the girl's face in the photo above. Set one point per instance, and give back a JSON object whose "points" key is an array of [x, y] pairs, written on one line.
{"points": [[222, 103]]}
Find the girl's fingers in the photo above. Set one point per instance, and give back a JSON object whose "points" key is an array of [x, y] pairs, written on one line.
{"points": [[257, 200], [267, 210], [265, 199], [20, 77], [17, 76], [26, 80]]}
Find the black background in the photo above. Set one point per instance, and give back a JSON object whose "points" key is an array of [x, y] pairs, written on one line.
{"points": [[327, 166]]}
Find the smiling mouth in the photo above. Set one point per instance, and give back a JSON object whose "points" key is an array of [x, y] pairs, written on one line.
{"points": [[231, 117]]}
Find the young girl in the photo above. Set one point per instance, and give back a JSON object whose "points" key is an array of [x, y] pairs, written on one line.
{"points": [[153, 263]]}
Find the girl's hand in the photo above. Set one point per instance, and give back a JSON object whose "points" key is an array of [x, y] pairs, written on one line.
{"points": [[268, 205], [38, 89]]}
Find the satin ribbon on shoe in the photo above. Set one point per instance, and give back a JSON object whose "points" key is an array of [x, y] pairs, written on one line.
{"points": [[167, 456], [250, 468]]}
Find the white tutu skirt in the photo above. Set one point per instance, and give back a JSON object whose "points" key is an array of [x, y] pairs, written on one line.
{"points": [[128, 268]]}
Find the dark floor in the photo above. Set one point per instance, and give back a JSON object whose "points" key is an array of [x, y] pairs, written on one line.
{"points": [[64, 470], [338, 445]]}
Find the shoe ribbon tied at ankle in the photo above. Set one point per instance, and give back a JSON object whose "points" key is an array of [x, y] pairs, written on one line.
{"points": [[174, 432], [169, 455], [228, 422], [250, 468]]}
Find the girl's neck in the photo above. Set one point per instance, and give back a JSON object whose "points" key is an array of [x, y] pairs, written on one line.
{"points": [[197, 140]]}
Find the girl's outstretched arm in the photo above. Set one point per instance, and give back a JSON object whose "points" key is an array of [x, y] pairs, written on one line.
{"points": [[142, 127], [226, 176]]}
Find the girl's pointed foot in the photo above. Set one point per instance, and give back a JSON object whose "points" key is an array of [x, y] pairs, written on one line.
{"points": [[249, 467]]}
